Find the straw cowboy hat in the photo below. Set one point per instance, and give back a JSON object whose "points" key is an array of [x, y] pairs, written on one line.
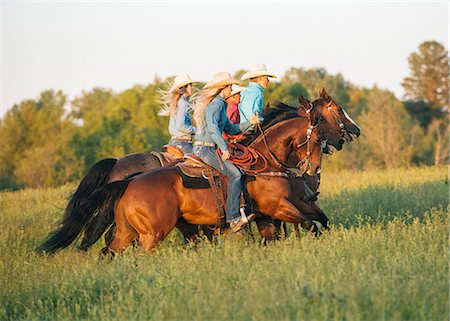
{"points": [[180, 81], [236, 89], [221, 79], [257, 71]]}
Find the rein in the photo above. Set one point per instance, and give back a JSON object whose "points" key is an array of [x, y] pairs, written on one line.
{"points": [[245, 157]]}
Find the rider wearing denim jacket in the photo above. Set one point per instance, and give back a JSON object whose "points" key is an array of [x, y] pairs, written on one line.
{"points": [[176, 105], [211, 119]]}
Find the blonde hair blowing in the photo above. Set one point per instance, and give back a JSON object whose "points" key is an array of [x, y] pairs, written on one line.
{"points": [[204, 98], [169, 99]]}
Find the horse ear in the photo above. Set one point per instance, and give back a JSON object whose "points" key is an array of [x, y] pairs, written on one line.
{"points": [[323, 93], [304, 102]]}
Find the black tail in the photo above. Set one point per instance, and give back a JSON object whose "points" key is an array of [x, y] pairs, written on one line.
{"points": [[97, 176], [73, 225], [100, 222]]}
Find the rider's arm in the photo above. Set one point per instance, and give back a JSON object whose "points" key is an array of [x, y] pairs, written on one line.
{"points": [[212, 125], [183, 114]]}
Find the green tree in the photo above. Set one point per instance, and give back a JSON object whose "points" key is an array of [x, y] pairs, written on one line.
{"points": [[389, 134], [36, 146], [429, 80], [427, 88]]}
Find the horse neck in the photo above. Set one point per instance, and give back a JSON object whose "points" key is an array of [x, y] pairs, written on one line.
{"points": [[279, 139]]}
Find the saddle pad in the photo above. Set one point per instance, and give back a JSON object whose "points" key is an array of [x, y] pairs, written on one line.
{"points": [[192, 182], [194, 169]]}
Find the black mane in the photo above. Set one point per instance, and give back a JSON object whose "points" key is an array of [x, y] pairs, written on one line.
{"points": [[272, 115]]}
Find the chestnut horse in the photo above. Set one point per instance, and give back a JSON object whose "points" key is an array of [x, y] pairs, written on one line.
{"points": [[109, 170], [198, 206], [141, 214]]}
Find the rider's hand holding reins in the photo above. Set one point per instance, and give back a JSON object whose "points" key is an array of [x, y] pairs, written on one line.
{"points": [[255, 119], [226, 154]]}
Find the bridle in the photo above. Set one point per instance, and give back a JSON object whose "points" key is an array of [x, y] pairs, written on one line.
{"points": [[304, 164], [338, 120]]}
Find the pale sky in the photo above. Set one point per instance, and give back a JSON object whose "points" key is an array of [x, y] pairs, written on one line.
{"points": [[78, 45]]}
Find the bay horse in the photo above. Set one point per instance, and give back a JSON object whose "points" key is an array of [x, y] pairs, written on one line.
{"points": [[109, 170], [323, 106], [283, 137]]}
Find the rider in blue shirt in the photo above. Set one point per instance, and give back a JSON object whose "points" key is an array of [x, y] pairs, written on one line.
{"points": [[252, 99]]}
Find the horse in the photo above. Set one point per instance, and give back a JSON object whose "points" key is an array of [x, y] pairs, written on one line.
{"points": [[286, 134], [323, 105], [109, 170], [306, 187]]}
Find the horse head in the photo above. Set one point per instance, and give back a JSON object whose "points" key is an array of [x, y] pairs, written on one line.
{"points": [[335, 113], [329, 132]]}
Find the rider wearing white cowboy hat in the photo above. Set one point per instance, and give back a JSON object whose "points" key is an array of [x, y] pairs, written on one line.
{"points": [[233, 102], [252, 99], [211, 119], [176, 105]]}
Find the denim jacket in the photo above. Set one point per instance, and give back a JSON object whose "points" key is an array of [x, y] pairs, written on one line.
{"points": [[180, 123], [216, 122]]}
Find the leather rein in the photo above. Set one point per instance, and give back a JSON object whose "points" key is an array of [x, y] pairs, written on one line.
{"points": [[244, 161]]}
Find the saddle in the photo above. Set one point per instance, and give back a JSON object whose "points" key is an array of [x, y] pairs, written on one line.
{"points": [[169, 155], [196, 174]]}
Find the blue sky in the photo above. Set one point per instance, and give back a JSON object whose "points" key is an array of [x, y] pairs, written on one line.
{"points": [[78, 45]]}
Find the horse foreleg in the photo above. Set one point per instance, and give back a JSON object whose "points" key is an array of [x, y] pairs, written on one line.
{"points": [[287, 212], [190, 231], [266, 228], [319, 216]]}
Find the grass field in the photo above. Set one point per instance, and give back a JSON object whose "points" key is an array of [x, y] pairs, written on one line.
{"points": [[386, 258]]}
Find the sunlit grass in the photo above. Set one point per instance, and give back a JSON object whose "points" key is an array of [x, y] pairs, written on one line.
{"points": [[386, 258]]}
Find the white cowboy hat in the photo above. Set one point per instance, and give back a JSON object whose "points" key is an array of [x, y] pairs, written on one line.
{"points": [[180, 81], [257, 71], [236, 89], [221, 79]]}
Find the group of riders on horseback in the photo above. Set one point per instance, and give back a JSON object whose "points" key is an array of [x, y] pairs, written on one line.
{"points": [[210, 115], [290, 141]]}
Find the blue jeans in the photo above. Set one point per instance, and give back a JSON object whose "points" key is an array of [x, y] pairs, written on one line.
{"points": [[209, 156], [184, 145]]}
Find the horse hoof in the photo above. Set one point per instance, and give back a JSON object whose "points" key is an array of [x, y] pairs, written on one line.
{"points": [[106, 253]]}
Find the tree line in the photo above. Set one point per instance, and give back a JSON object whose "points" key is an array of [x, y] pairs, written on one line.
{"points": [[50, 140]]}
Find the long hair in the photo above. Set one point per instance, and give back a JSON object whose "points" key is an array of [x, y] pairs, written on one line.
{"points": [[169, 100], [204, 98]]}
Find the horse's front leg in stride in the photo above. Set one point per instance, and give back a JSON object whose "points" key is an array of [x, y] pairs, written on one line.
{"points": [[266, 228], [287, 212]]}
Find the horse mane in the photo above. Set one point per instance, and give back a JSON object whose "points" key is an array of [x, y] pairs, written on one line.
{"points": [[272, 115]]}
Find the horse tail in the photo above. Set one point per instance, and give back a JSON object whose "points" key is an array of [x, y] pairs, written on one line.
{"points": [[73, 225], [99, 223], [97, 176]]}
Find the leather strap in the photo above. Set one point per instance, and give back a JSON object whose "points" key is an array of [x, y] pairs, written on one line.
{"points": [[219, 199]]}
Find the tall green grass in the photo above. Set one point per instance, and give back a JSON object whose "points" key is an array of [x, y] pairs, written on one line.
{"points": [[386, 258]]}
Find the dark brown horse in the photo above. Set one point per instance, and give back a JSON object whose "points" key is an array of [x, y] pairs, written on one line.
{"points": [[116, 169], [283, 137], [305, 187]]}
